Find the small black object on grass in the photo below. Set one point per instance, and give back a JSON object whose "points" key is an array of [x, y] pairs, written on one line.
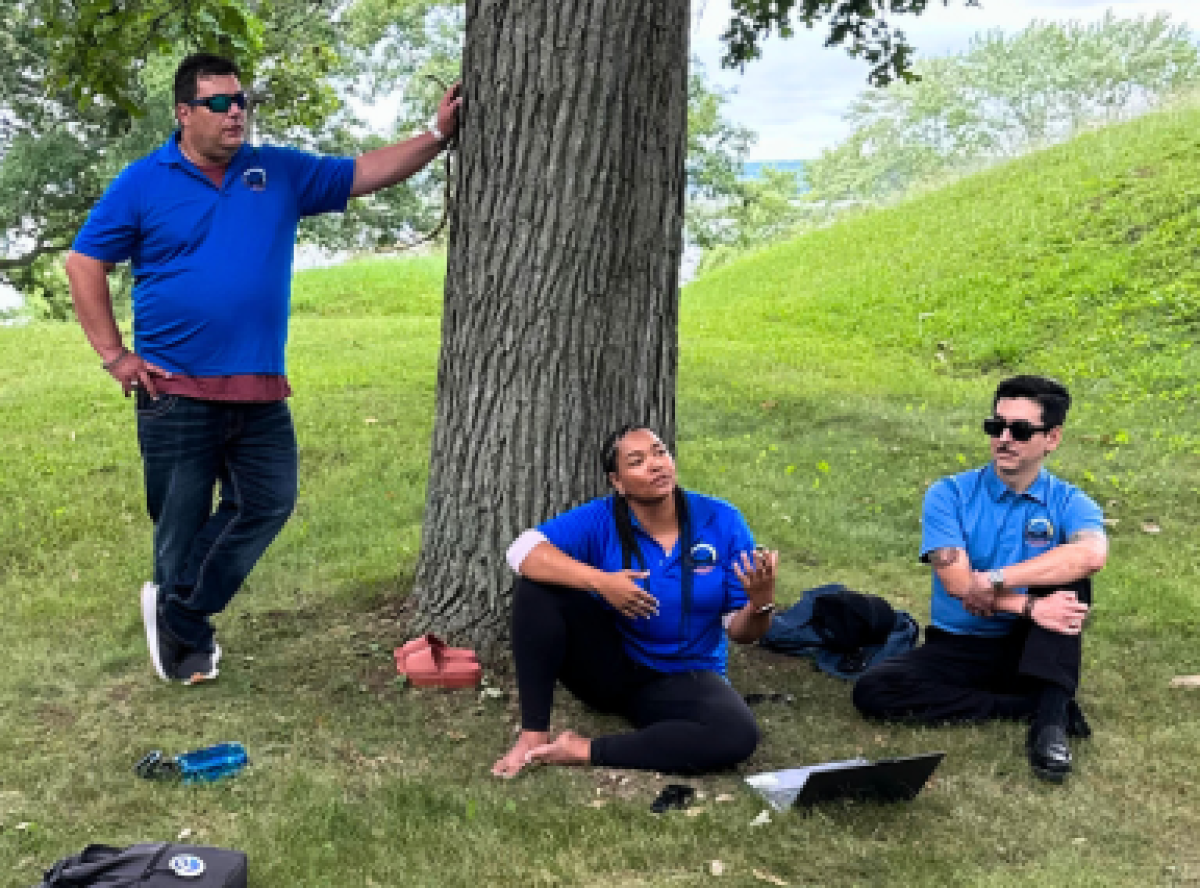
{"points": [[673, 795]]}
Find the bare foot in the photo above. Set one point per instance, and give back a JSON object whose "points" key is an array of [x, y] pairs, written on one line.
{"points": [[516, 758], [568, 748]]}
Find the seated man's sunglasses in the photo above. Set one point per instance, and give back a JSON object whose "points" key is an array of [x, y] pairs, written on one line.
{"points": [[222, 103], [1022, 429]]}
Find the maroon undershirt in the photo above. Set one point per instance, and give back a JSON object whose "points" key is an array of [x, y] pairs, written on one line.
{"points": [[237, 387]]}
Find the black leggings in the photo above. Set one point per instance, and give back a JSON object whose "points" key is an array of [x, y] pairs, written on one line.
{"points": [[688, 722]]}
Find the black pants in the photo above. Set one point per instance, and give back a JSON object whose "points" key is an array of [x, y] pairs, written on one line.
{"points": [[971, 678], [687, 722]]}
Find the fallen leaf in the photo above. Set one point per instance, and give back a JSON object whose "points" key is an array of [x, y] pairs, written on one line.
{"points": [[716, 868], [763, 818], [184, 833], [768, 877], [370, 420], [769, 405], [456, 735], [724, 797], [696, 811], [1186, 681], [23, 826], [1150, 527], [597, 803]]}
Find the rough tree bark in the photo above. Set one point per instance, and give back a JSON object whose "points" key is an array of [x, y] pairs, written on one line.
{"points": [[561, 300]]}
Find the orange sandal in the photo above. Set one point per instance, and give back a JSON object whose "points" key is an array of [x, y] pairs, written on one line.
{"points": [[429, 641], [430, 668]]}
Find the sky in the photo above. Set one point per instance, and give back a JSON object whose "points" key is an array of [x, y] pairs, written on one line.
{"points": [[795, 95]]}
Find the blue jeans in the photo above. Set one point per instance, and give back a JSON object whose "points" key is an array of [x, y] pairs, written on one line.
{"points": [[201, 554]]}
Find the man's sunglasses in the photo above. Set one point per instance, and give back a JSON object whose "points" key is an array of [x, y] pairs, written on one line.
{"points": [[222, 103], [1022, 429]]}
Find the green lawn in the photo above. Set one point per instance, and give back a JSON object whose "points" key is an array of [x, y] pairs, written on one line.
{"points": [[824, 383]]}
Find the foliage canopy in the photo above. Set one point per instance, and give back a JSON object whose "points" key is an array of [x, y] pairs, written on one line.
{"points": [[1005, 94]]}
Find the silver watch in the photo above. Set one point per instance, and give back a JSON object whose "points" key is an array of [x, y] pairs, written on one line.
{"points": [[996, 578]]}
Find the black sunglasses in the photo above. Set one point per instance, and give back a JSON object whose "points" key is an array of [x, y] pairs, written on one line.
{"points": [[222, 103], [1022, 429]]}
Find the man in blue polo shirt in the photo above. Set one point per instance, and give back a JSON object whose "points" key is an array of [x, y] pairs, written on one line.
{"points": [[209, 225], [1012, 549]]}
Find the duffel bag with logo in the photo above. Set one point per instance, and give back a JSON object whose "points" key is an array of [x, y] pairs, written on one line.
{"points": [[149, 865]]}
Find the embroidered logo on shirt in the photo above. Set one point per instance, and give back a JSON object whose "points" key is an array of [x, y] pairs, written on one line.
{"points": [[255, 179], [704, 558], [1039, 531]]}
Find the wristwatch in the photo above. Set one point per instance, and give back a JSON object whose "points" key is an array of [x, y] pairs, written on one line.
{"points": [[996, 578], [764, 609]]}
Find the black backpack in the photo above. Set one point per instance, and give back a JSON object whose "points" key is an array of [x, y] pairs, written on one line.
{"points": [[149, 865]]}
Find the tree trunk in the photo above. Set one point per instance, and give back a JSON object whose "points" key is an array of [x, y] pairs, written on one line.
{"points": [[561, 302]]}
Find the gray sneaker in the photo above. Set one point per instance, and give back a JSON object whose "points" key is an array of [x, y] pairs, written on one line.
{"points": [[198, 666], [172, 660]]}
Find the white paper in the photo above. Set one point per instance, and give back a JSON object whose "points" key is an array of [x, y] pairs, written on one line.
{"points": [[780, 788]]}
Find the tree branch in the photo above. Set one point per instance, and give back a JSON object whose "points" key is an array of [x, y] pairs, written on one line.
{"points": [[27, 259]]}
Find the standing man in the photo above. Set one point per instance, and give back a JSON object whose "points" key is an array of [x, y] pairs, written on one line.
{"points": [[1012, 549], [209, 224]]}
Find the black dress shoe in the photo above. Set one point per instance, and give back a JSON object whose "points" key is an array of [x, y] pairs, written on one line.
{"points": [[1077, 725], [1049, 754]]}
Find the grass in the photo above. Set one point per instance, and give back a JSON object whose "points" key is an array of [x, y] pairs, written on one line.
{"points": [[824, 383]]}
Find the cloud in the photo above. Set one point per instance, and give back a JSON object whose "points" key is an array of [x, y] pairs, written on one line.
{"points": [[795, 95]]}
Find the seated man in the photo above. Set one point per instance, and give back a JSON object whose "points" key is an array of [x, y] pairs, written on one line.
{"points": [[1012, 548]]}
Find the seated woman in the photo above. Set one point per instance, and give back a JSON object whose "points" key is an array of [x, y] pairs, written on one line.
{"points": [[627, 600]]}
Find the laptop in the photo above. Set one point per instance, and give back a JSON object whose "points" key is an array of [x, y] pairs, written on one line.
{"points": [[885, 780]]}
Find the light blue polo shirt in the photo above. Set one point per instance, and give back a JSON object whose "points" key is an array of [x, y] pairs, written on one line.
{"points": [[212, 266], [975, 511], [672, 641]]}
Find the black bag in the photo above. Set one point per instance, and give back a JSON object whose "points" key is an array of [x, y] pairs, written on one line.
{"points": [[149, 865], [848, 622]]}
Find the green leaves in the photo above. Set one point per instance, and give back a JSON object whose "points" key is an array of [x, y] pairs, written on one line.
{"points": [[1006, 94], [858, 25], [95, 50]]}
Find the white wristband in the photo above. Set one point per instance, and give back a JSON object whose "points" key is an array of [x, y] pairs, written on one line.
{"points": [[522, 546]]}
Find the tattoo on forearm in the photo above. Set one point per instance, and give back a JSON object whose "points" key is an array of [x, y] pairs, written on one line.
{"points": [[945, 556], [1080, 535]]}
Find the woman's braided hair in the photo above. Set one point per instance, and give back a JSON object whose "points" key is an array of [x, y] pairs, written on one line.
{"points": [[608, 460]]}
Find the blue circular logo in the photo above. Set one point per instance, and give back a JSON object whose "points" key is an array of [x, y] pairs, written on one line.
{"points": [[704, 555], [1039, 531], [187, 866]]}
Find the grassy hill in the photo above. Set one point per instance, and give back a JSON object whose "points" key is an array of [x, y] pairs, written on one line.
{"points": [[824, 383]]}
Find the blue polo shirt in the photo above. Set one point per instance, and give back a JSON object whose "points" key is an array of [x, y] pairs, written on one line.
{"points": [[212, 267], [671, 641], [975, 511]]}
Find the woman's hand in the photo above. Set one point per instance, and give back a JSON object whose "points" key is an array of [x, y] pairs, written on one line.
{"points": [[756, 571], [630, 599]]}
